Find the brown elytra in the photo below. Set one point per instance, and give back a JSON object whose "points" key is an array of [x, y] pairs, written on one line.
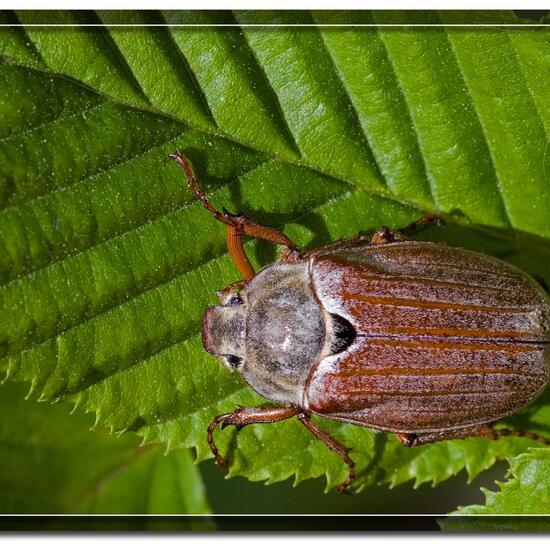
{"points": [[420, 339], [446, 338]]}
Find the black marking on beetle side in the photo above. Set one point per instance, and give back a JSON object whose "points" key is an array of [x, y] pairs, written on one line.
{"points": [[343, 334]]}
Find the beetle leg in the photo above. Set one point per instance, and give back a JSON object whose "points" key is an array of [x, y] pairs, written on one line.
{"points": [[502, 432], [385, 235], [244, 416], [423, 222], [238, 255], [486, 430], [413, 440], [407, 439], [333, 445], [238, 225]]}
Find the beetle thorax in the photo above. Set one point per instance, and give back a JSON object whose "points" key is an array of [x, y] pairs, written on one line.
{"points": [[273, 332], [285, 332]]}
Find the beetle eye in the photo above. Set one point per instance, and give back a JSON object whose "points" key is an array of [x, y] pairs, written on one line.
{"points": [[233, 360], [235, 300]]}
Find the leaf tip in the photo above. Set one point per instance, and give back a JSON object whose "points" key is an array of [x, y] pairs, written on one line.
{"points": [[6, 377], [32, 388]]}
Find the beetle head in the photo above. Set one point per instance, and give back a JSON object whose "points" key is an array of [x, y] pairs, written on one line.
{"points": [[223, 329]]}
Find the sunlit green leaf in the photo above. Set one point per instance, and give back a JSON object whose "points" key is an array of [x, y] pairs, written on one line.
{"points": [[527, 492]]}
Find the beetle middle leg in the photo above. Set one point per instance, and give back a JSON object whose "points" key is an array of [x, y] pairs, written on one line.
{"points": [[385, 235], [238, 226], [423, 223], [333, 445]]}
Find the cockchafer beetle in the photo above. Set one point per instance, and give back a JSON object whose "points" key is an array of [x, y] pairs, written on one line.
{"points": [[420, 339]]}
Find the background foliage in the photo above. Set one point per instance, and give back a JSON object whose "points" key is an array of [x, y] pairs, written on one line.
{"points": [[107, 263]]}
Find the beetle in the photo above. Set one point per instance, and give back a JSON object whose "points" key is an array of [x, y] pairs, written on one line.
{"points": [[424, 340]]}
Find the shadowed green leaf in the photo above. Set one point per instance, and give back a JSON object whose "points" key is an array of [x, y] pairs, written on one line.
{"points": [[494, 523], [52, 463]]}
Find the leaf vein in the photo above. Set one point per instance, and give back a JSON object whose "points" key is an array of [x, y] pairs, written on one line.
{"points": [[498, 182]]}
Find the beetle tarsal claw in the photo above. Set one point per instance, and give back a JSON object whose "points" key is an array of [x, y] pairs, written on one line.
{"points": [[344, 488], [222, 463]]}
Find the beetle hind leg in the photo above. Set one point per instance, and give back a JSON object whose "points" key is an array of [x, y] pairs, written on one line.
{"points": [[385, 235], [423, 223], [487, 431], [503, 432], [413, 440]]}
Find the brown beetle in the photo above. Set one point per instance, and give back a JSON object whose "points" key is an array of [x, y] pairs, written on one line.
{"points": [[420, 339]]}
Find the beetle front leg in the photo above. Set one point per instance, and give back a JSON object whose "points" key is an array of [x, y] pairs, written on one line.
{"points": [[242, 417], [238, 226], [333, 445]]}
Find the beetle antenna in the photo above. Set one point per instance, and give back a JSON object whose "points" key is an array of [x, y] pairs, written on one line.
{"points": [[192, 182]]}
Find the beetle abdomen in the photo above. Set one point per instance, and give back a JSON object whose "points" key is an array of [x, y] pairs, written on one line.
{"points": [[445, 337]]}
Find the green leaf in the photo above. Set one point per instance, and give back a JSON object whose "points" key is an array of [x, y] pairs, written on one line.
{"points": [[107, 263], [528, 492], [52, 463], [494, 524]]}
